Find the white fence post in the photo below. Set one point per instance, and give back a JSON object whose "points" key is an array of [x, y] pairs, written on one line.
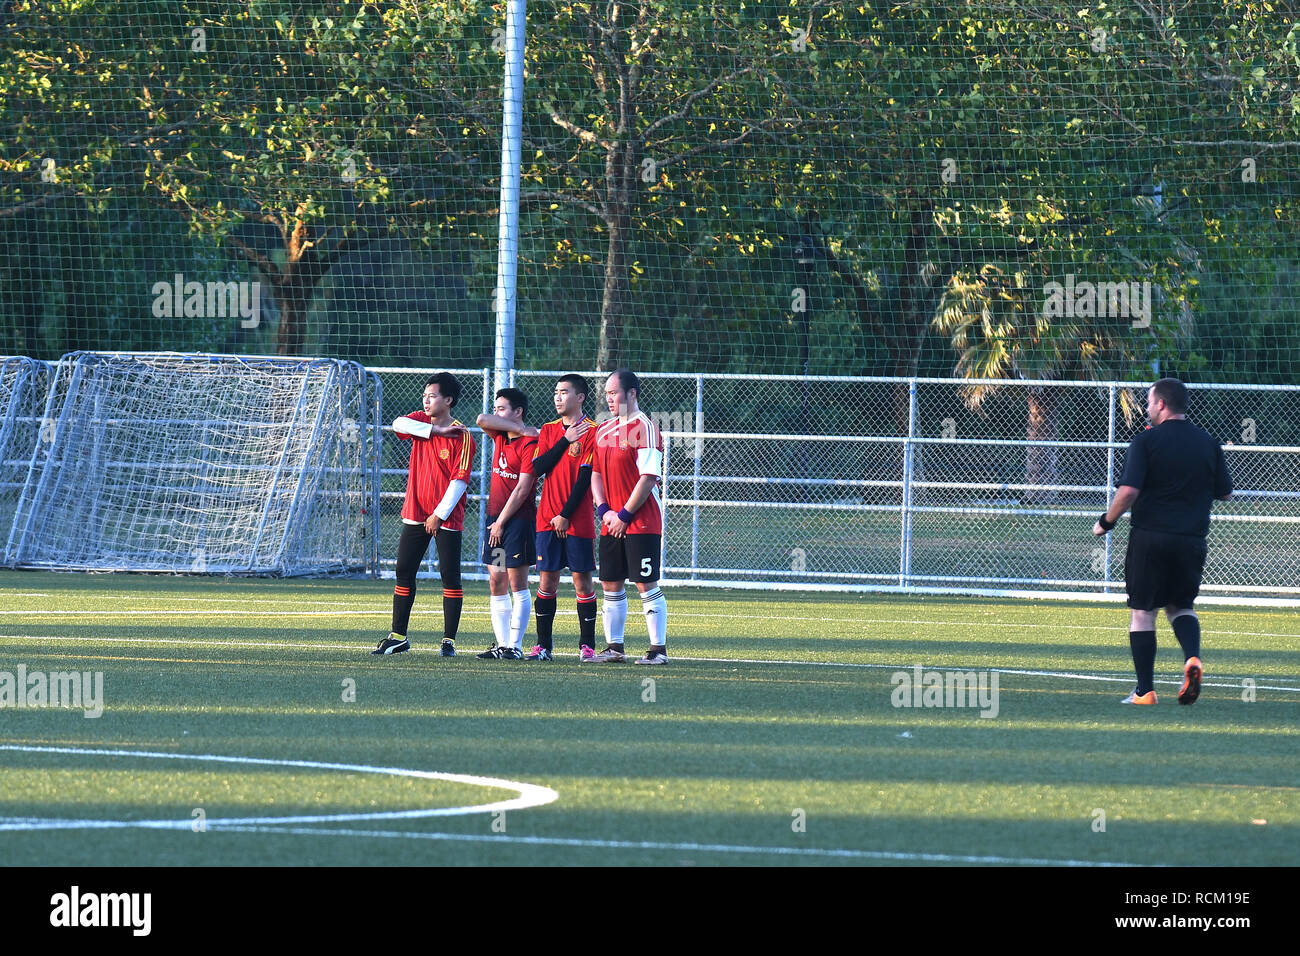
{"points": [[1110, 476], [695, 496], [905, 548], [663, 538]]}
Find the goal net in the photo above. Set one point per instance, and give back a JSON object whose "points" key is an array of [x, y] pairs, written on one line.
{"points": [[203, 464], [24, 383]]}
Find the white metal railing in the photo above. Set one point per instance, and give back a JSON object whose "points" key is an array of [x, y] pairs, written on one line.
{"points": [[960, 505]]}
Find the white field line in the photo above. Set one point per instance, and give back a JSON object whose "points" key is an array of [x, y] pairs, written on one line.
{"points": [[1068, 675], [380, 610], [530, 795], [685, 847]]}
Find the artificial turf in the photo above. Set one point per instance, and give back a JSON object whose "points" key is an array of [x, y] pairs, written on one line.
{"points": [[772, 736]]}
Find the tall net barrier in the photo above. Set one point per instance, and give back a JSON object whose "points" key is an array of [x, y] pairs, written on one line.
{"points": [[980, 188], [202, 463]]}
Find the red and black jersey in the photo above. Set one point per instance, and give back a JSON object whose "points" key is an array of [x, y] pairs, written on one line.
{"points": [[435, 463], [626, 450], [559, 481], [511, 456]]}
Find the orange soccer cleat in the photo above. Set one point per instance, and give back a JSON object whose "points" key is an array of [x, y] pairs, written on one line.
{"points": [[1191, 688], [1145, 700]]}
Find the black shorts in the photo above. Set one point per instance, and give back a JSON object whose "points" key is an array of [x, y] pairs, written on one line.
{"points": [[631, 558], [1162, 570], [555, 552], [518, 546]]}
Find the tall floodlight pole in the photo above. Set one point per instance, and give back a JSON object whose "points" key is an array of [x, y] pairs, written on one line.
{"points": [[508, 229]]}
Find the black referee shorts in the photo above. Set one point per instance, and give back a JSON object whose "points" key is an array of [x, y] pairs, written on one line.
{"points": [[1162, 570]]}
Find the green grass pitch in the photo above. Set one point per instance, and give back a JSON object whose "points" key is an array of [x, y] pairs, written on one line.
{"points": [[771, 738]]}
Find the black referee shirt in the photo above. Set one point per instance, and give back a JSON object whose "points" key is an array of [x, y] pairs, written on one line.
{"points": [[1179, 470]]}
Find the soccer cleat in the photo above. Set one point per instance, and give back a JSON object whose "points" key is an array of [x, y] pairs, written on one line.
{"points": [[493, 653], [1144, 700], [656, 655], [448, 648], [1191, 688], [607, 656], [510, 654], [392, 644], [586, 653], [540, 654]]}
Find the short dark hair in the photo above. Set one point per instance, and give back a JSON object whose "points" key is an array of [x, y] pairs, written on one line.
{"points": [[517, 399], [578, 382], [627, 380], [1173, 393], [448, 387]]}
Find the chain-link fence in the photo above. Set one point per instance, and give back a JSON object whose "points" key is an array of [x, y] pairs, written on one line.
{"points": [[918, 484]]}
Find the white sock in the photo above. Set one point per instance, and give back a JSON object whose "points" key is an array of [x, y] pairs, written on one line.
{"points": [[523, 607], [501, 618], [656, 616], [614, 615]]}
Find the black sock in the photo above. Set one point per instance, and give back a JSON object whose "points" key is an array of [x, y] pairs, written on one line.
{"points": [[587, 621], [544, 613], [1188, 631], [451, 614], [453, 597], [411, 548], [403, 601], [1143, 645]]}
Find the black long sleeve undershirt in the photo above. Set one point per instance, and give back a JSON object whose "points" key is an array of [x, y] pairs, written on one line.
{"points": [[544, 463], [580, 486]]}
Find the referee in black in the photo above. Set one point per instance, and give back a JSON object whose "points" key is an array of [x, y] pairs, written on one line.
{"points": [[1172, 473]]}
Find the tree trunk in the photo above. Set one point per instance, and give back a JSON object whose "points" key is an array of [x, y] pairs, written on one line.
{"points": [[614, 301], [291, 336], [293, 289], [1041, 462]]}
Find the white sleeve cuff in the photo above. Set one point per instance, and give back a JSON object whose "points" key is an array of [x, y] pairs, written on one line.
{"points": [[454, 491], [650, 461], [409, 426]]}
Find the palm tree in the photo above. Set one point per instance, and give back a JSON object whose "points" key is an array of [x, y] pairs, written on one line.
{"points": [[995, 323]]}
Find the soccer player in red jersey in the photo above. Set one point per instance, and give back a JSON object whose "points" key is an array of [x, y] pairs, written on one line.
{"points": [[626, 470], [566, 531], [442, 452], [508, 543]]}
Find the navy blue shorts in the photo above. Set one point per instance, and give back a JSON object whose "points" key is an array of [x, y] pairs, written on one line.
{"points": [[555, 552], [516, 549]]}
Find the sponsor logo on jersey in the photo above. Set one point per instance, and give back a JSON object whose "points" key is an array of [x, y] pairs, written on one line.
{"points": [[503, 460]]}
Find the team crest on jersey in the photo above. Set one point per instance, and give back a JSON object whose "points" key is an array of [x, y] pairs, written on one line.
{"points": [[575, 451], [444, 453]]}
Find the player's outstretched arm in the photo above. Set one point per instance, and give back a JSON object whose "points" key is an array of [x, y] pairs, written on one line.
{"points": [[495, 423], [410, 428]]}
